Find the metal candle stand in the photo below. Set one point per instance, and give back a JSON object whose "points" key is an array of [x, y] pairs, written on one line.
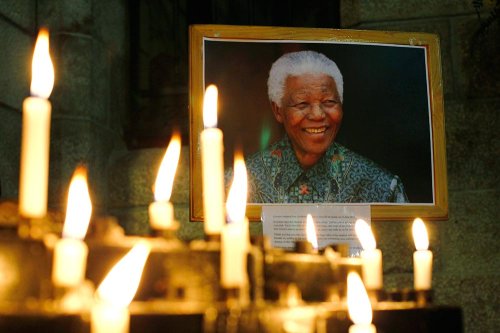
{"points": [[288, 291]]}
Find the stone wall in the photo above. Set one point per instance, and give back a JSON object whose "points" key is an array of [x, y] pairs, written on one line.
{"points": [[89, 49], [16, 42]]}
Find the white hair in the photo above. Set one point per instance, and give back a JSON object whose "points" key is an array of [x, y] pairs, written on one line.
{"points": [[298, 63]]}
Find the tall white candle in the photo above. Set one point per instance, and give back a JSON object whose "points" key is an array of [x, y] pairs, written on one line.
{"points": [[422, 258], [110, 314], [35, 141], [371, 256], [235, 235], [69, 263], [212, 150], [359, 307], [161, 212], [233, 256], [70, 252]]}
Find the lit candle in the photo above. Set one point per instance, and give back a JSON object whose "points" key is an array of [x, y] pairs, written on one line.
{"points": [[235, 235], [34, 170], [110, 314], [311, 232], [371, 256], [70, 252], [422, 258], [161, 212], [212, 150], [359, 307]]}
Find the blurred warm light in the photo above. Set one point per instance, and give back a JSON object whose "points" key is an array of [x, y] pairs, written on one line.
{"points": [[168, 167], [358, 303], [311, 232], [293, 295], [420, 235], [9, 274], [210, 106], [365, 235], [237, 197], [121, 283], [79, 208], [42, 80]]}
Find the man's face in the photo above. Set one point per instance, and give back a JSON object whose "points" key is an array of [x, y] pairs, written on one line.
{"points": [[311, 113]]}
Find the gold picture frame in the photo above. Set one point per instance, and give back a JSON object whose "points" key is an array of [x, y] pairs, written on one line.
{"points": [[237, 58]]}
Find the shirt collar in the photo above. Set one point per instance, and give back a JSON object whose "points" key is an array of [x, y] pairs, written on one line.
{"points": [[288, 170]]}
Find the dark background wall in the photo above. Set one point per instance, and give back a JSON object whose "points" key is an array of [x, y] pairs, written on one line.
{"points": [[94, 120]]}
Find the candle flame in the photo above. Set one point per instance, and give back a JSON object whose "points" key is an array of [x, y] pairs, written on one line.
{"points": [[237, 197], [42, 80], [210, 106], [168, 167], [121, 283], [365, 235], [420, 236], [79, 208], [358, 303], [311, 232]]}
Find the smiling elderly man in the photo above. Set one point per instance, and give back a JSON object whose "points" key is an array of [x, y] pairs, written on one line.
{"points": [[307, 165]]}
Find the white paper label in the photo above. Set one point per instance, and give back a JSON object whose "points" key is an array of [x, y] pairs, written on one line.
{"points": [[284, 224]]}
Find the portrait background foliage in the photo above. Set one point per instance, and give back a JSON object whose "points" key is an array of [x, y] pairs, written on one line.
{"points": [[386, 100]]}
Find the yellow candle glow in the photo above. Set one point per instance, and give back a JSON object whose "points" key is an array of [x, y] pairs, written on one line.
{"points": [[35, 142], [161, 212], [311, 232], [235, 237], [212, 150], [237, 197], [110, 314], [359, 307], [422, 258], [70, 252], [371, 256]]}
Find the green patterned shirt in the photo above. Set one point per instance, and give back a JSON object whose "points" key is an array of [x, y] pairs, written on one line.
{"points": [[340, 176]]}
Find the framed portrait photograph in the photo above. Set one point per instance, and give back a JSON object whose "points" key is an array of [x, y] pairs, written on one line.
{"points": [[324, 116]]}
